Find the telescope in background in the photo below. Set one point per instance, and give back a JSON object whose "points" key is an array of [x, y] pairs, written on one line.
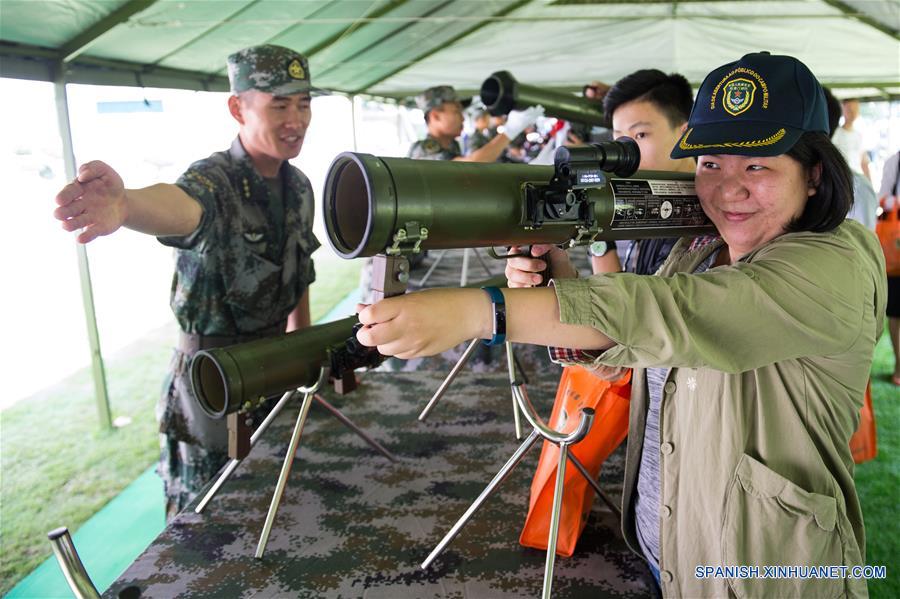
{"points": [[396, 206], [501, 93]]}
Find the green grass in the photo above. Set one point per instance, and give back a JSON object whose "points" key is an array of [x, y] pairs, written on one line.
{"points": [[335, 278], [58, 469]]}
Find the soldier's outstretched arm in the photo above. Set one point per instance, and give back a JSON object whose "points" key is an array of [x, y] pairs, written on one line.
{"points": [[489, 152], [98, 202], [516, 122]]}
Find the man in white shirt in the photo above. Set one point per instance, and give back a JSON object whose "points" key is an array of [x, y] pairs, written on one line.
{"points": [[850, 141]]}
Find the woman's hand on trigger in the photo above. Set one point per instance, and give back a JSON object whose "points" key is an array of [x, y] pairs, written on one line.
{"points": [[529, 272]]}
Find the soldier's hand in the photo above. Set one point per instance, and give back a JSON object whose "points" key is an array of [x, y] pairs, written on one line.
{"points": [[596, 90], [424, 323], [528, 272], [517, 121], [94, 201]]}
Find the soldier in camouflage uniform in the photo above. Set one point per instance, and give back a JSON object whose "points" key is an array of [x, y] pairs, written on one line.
{"points": [[483, 132], [444, 117], [241, 224]]}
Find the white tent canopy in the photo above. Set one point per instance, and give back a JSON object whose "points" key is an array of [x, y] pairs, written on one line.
{"points": [[560, 45], [399, 47]]}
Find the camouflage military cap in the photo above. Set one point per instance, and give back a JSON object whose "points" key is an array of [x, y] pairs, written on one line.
{"points": [[271, 69], [435, 97]]}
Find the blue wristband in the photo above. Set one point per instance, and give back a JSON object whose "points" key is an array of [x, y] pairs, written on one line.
{"points": [[499, 304]]}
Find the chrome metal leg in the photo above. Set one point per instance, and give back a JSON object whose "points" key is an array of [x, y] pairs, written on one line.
{"points": [[464, 274], [437, 260], [285, 473], [233, 464], [519, 369], [483, 264], [513, 380], [488, 490], [355, 428], [467, 355], [593, 482], [554, 519], [540, 430], [308, 394], [70, 564]]}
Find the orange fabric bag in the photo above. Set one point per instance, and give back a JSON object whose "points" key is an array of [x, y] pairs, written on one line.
{"points": [[888, 230], [578, 388], [863, 443]]}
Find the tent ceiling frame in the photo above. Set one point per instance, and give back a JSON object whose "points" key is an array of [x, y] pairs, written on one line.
{"points": [[484, 22], [200, 36], [81, 68], [447, 19], [103, 71], [675, 2], [849, 11], [84, 40], [355, 23], [408, 23]]}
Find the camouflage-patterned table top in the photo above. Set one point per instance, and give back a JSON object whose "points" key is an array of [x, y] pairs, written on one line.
{"points": [[353, 524]]}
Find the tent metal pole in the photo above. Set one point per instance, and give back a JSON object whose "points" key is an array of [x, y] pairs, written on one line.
{"points": [[87, 293]]}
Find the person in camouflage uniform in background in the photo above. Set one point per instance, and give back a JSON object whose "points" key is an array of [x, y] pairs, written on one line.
{"points": [[483, 132], [241, 224], [444, 117]]}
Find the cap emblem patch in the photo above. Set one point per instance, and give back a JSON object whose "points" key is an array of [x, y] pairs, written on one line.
{"points": [[738, 96], [728, 78], [295, 70]]}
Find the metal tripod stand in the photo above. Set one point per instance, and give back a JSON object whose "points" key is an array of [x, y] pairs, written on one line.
{"points": [[512, 367], [539, 431], [310, 394], [464, 273]]}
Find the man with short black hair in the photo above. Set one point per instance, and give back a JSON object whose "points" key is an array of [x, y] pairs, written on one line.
{"points": [[652, 108]]}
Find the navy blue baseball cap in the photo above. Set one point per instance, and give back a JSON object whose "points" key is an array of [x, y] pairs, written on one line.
{"points": [[757, 106]]}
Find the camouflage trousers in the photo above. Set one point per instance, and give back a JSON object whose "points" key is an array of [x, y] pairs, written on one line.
{"points": [[193, 446], [185, 469]]}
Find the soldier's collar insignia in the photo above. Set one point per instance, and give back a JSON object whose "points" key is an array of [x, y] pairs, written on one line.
{"points": [[295, 70], [738, 95], [431, 145], [253, 237]]}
